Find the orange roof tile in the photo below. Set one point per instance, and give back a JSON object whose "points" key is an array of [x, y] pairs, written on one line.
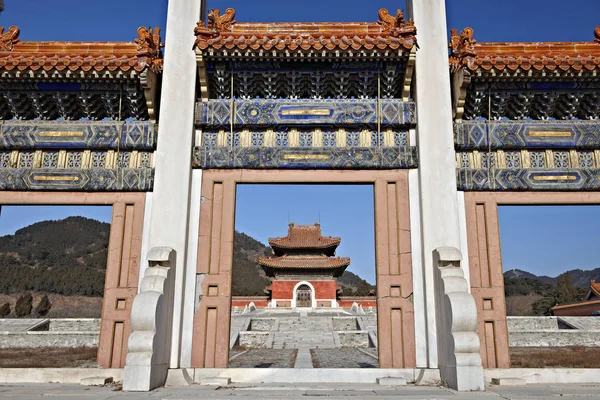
{"points": [[577, 304], [224, 33], [304, 236], [595, 287], [144, 52], [467, 53], [291, 262]]}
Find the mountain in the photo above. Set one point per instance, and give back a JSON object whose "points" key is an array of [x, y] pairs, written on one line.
{"points": [[579, 278], [249, 279], [64, 257]]}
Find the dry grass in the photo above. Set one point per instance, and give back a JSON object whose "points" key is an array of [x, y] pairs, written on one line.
{"points": [[554, 357], [521, 305], [49, 357], [62, 306]]}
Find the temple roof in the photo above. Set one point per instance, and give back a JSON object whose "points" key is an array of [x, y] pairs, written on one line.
{"points": [[524, 56], [304, 237], [223, 33], [304, 262], [594, 290], [144, 53]]}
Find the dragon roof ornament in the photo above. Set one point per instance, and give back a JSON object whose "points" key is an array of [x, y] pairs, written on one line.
{"points": [[467, 53], [9, 39], [149, 45], [224, 33]]}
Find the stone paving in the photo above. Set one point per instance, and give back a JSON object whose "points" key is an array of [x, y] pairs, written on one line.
{"points": [[329, 391], [342, 358], [263, 358]]}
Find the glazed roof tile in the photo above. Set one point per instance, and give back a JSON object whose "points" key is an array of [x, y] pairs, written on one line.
{"points": [[223, 33], [291, 262], [499, 56], [595, 287], [144, 52], [304, 237]]}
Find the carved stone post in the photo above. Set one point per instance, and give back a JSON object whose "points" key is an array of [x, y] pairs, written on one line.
{"points": [[459, 359], [149, 344]]}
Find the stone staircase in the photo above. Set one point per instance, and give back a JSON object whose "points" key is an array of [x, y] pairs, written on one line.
{"points": [[304, 332]]}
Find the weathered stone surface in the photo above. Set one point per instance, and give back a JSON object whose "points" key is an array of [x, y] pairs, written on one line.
{"points": [[215, 381], [258, 340], [554, 338], [344, 323], [508, 381], [531, 323], [391, 381], [75, 324], [262, 324], [96, 381], [37, 339], [353, 338]]}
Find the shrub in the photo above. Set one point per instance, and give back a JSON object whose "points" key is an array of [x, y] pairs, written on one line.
{"points": [[24, 305], [43, 306], [4, 310]]}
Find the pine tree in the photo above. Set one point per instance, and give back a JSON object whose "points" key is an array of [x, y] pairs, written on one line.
{"points": [[4, 310], [43, 306], [24, 305]]}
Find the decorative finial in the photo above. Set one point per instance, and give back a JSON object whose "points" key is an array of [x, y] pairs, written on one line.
{"points": [[9, 39], [597, 34], [389, 22], [462, 45], [221, 23], [149, 45]]}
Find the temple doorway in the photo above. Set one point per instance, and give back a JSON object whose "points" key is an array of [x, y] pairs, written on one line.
{"points": [[304, 296]]}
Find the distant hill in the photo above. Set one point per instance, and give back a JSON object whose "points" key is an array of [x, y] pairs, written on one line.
{"points": [[529, 294], [249, 278], [64, 257]]}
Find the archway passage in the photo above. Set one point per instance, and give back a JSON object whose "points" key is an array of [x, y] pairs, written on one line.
{"points": [[304, 296], [395, 315]]}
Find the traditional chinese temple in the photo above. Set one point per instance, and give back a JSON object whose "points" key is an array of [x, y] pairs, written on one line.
{"points": [[444, 127], [304, 269]]}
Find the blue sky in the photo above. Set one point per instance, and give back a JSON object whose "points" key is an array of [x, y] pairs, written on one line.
{"points": [[565, 242]]}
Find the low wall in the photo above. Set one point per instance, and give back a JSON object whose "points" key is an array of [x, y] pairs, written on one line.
{"points": [[75, 325], [256, 340], [243, 301], [37, 339], [531, 323], [554, 338], [365, 302]]}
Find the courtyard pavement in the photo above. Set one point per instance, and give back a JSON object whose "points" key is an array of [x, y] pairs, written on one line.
{"points": [[299, 391]]}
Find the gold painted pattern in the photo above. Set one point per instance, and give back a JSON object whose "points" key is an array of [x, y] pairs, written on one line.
{"points": [[305, 157], [550, 134], [61, 134], [55, 178], [306, 112], [555, 178]]}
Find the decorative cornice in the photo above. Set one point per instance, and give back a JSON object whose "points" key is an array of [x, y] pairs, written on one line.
{"points": [[492, 135], [136, 56], [522, 179], [267, 112], [92, 180], [491, 56], [224, 34], [9, 39], [305, 158], [124, 135]]}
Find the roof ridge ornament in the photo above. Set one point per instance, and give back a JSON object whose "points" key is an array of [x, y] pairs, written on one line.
{"points": [[149, 45], [221, 23], [461, 47], [10, 38], [597, 34]]}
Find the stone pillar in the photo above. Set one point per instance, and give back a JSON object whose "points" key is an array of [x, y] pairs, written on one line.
{"points": [[437, 166], [173, 158]]}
